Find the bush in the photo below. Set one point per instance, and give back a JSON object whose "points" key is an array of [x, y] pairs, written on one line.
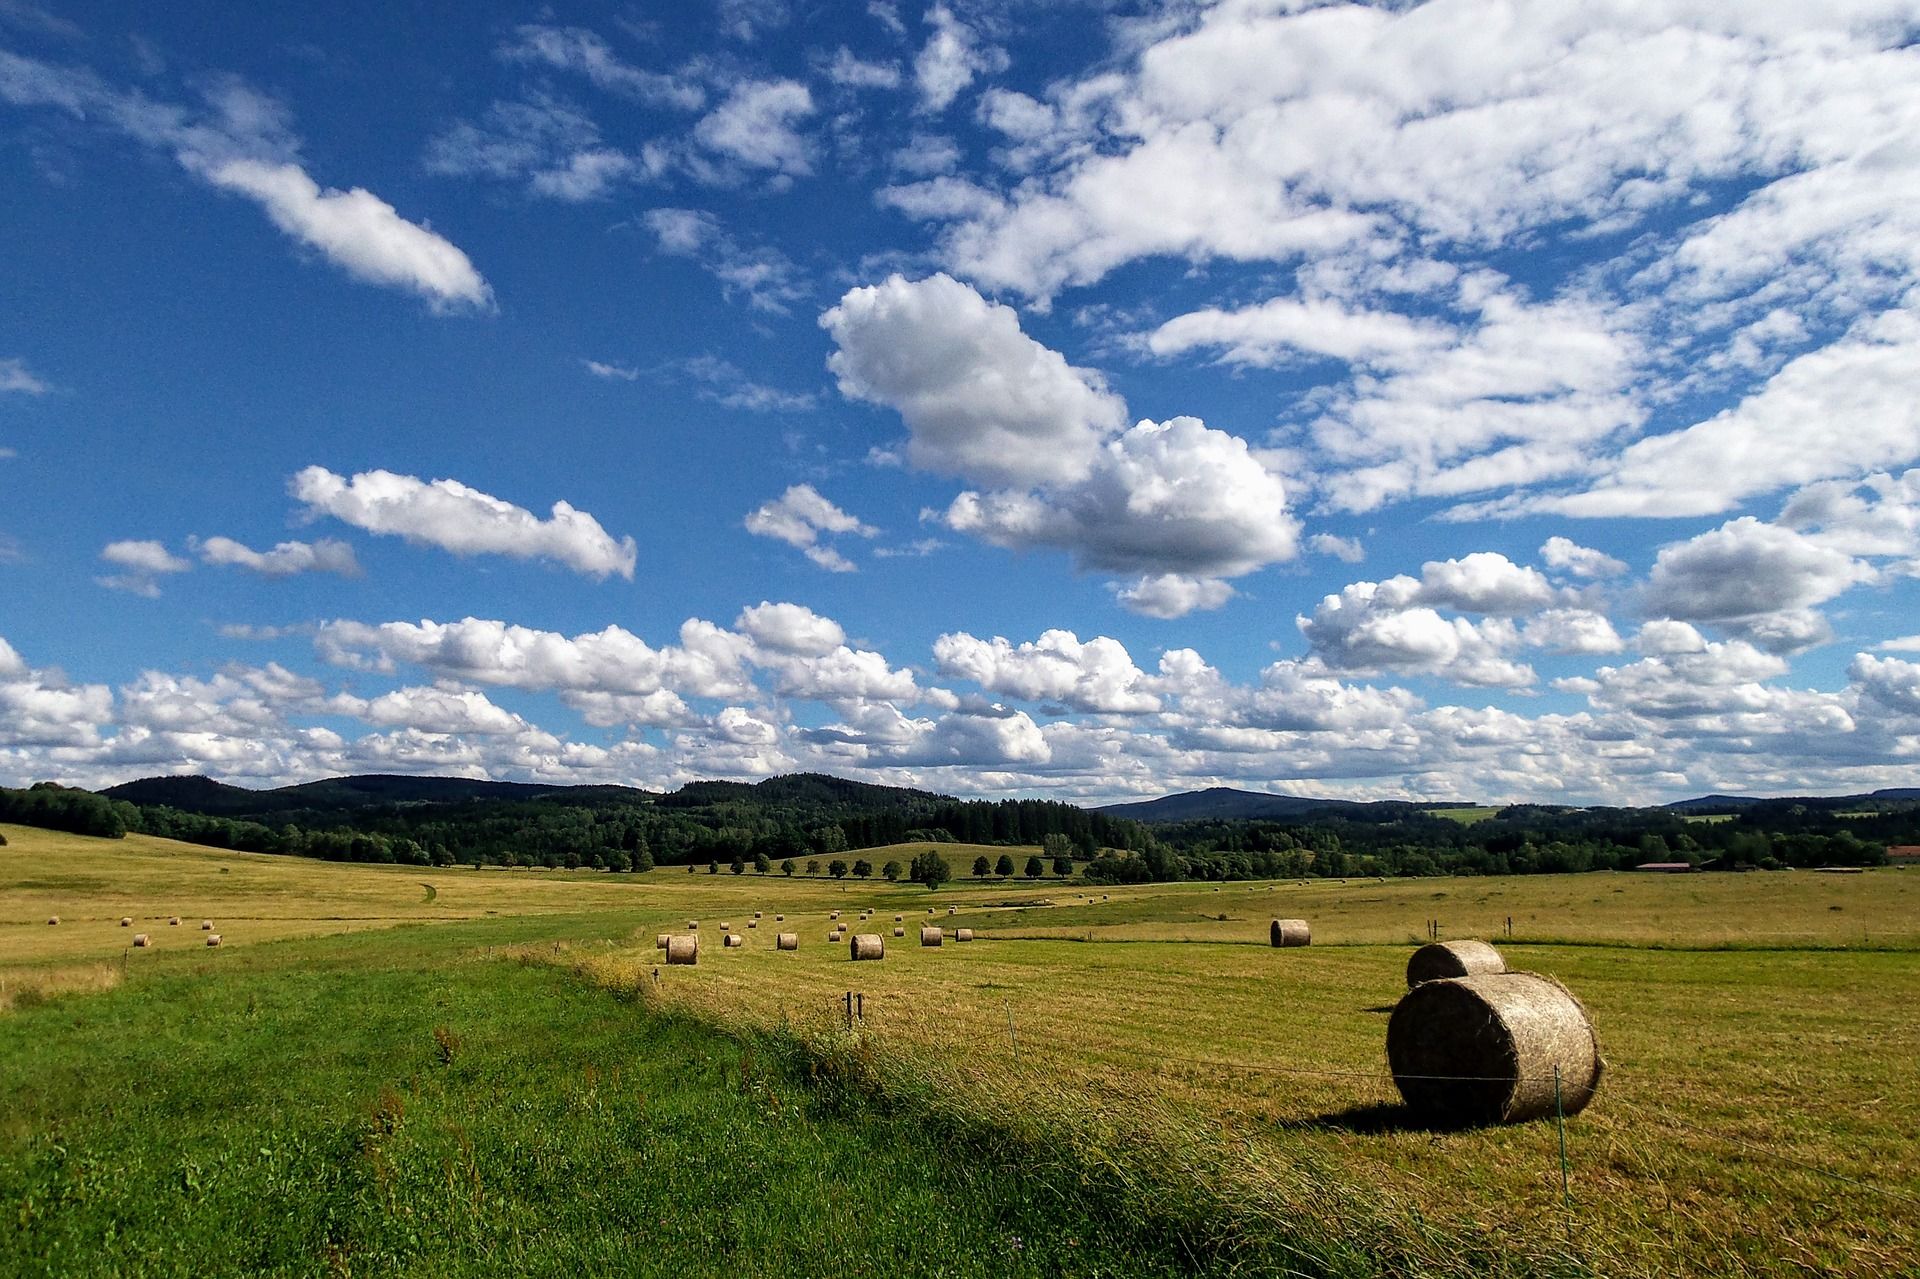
{"points": [[1004, 866], [982, 867], [930, 869], [837, 868], [761, 864], [892, 871], [786, 867], [739, 867], [1035, 867], [863, 868]]}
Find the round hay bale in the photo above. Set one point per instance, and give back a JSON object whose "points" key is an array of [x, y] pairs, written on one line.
{"points": [[683, 950], [142, 940], [753, 923], [952, 909], [126, 921], [733, 940], [1289, 932], [173, 921], [787, 941], [868, 946], [53, 921], [693, 925], [206, 925], [779, 919], [1482, 1049], [213, 939], [833, 914], [660, 941], [756, 914], [963, 934], [930, 936], [899, 919], [898, 931], [726, 928], [1439, 959]]}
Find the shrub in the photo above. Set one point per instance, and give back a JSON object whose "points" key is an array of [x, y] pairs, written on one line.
{"points": [[1035, 867], [863, 868], [982, 867], [1004, 866], [892, 871], [931, 869], [837, 868]]}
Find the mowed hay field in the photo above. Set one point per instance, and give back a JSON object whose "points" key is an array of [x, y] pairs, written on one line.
{"points": [[1758, 1114]]}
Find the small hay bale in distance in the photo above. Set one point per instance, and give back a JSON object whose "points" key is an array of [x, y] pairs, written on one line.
{"points": [[952, 909], [899, 919], [779, 919], [787, 941], [661, 940], [693, 925], [726, 928], [1483, 1050], [173, 921], [756, 914], [206, 925], [753, 923], [1289, 932], [126, 921], [1441, 959], [963, 934], [898, 931], [930, 936], [683, 950], [868, 946], [734, 941], [833, 914], [53, 921], [213, 939], [142, 940]]}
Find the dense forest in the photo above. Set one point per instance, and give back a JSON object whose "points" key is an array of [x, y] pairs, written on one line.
{"points": [[439, 821]]}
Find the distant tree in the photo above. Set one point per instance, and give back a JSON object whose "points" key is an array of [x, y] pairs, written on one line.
{"points": [[813, 866], [1056, 846], [640, 858], [931, 869], [1063, 866], [1004, 866], [837, 868], [863, 868], [827, 840], [690, 868], [892, 871], [982, 867], [1035, 867], [762, 863], [713, 868], [786, 868], [738, 867]]}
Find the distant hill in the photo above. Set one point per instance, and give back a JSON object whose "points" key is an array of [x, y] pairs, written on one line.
{"points": [[338, 794], [1224, 803], [1734, 803]]}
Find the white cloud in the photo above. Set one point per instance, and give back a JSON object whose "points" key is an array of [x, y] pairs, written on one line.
{"points": [[980, 398], [1572, 630], [1484, 582], [790, 628], [755, 127], [611, 372], [1382, 626], [1581, 561], [1285, 330], [463, 520], [143, 562], [853, 72], [769, 280], [1347, 550], [1745, 568], [554, 148], [800, 517], [1097, 675], [1888, 680], [582, 52], [1171, 595], [434, 710], [951, 58], [17, 377], [40, 708], [284, 560], [1165, 497]]}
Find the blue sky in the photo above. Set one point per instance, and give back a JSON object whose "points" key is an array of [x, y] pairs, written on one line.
{"points": [[1455, 400]]}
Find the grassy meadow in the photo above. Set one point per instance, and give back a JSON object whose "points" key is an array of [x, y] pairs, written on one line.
{"points": [[1130, 1069]]}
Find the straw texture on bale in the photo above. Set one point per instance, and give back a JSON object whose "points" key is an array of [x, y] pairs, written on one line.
{"points": [[126, 921], [733, 940], [213, 939], [868, 946], [1289, 932], [1483, 1049], [683, 950], [930, 936], [787, 941], [1439, 959], [142, 940], [660, 941], [963, 934]]}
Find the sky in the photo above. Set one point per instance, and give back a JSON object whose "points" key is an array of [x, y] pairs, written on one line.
{"points": [[1451, 400]]}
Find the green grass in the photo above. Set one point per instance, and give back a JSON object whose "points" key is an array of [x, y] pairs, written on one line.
{"points": [[1466, 816]]}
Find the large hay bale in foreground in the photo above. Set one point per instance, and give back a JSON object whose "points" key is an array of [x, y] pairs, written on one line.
{"points": [[963, 934], [142, 940], [1440, 959], [868, 946], [1483, 1049], [733, 941], [683, 950], [1290, 932], [930, 936], [787, 941]]}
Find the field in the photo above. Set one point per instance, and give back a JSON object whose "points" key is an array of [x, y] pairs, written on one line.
{"points": [[1139, 1055]]}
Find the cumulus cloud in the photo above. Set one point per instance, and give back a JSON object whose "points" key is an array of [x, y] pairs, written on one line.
{"points": [[1744, 569], [284, 560], [239, 142], [1581, 561], [1572, 630], [979, 397], [951, 58], [850, 71], [790, 628], [1484, 582], [143, 562], [801, 517], [15, 376], [755, 126], [463, 520], [1347, 550], [1378, 626], [1097, 675], [1171, 595]]}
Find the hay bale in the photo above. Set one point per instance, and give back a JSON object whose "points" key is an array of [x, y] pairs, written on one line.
{"points": [[683, 950], [173, 921], [1482, 1049], [733, 941], [756, 914], [660, 941], [952, 909], [899, 919], [142, 940], [726, 928], [868, 946], [1441, 959], [779, 919], [930, 936], [126, 921], [53, 921], [963, 934], [213, 939], [1290, 932], [206, 925], [753, 923], [898, 931], [787, 941], [693, 925], [833, 914]]}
